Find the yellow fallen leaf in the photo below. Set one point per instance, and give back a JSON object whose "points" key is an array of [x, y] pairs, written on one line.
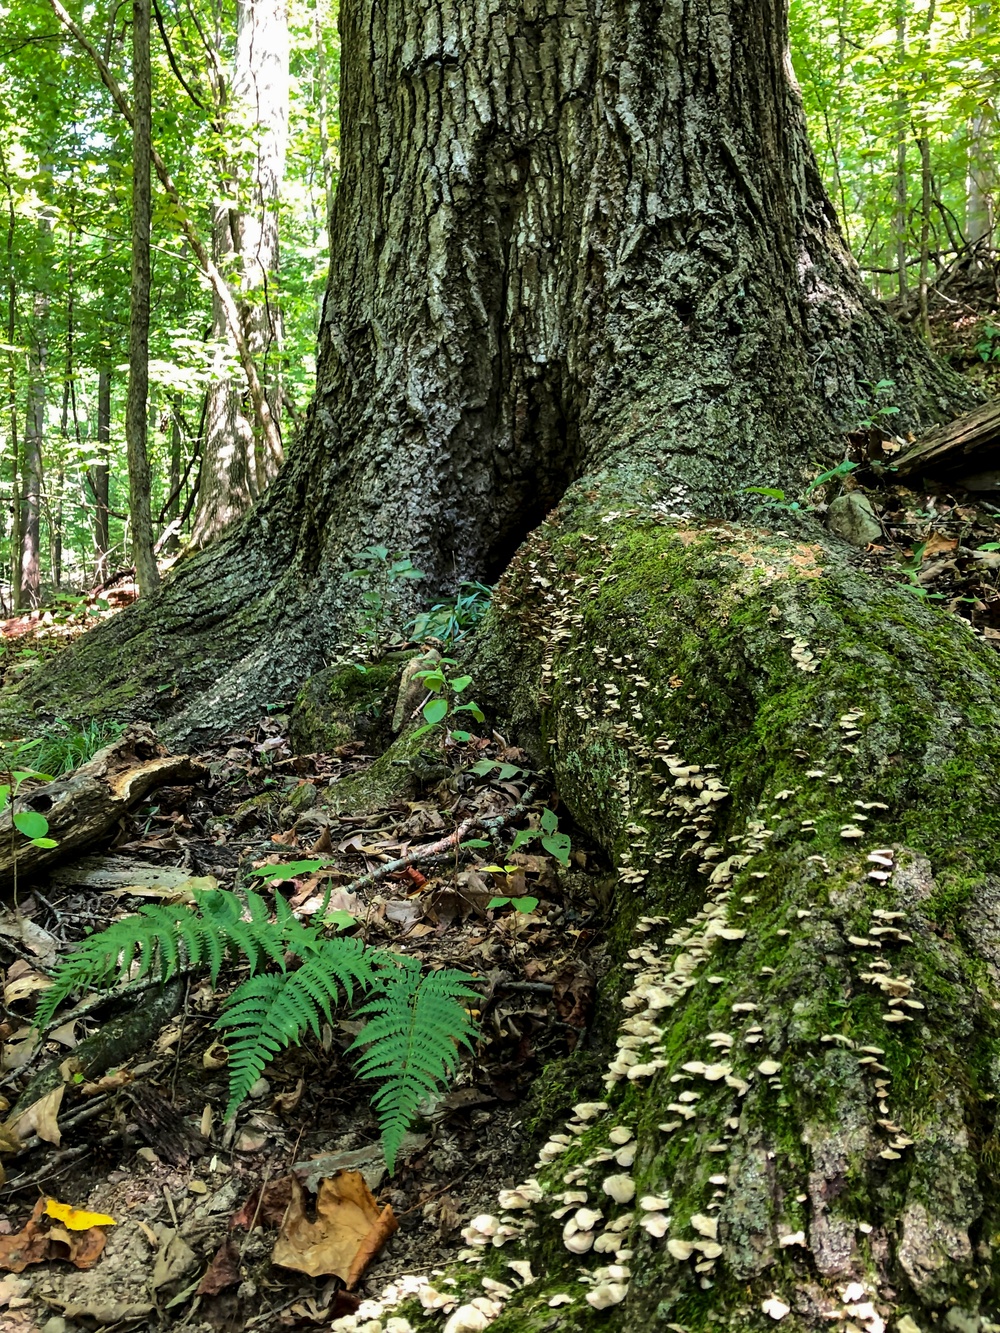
{"points": [[77, 1219]]}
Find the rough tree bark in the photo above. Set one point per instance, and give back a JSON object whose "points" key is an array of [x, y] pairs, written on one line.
{"points": [[100, 477], [583, 266], [236, 466]]}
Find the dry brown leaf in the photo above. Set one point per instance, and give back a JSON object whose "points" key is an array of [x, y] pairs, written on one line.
{"points": [[223, 1271], [27, 983], [41, 1118], [19, 1048], [348, 1232], [38, 1243]]}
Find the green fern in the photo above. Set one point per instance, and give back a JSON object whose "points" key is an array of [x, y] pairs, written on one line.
{"points": [[417, 1022], [273, 1010]]}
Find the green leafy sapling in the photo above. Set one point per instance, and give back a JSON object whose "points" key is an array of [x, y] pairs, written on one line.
{"points": [[445, 701], [776, 497], [448, 622], [380, 569]]}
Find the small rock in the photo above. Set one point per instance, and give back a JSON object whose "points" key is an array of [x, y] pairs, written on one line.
{"points": [[906, 1325], [55, 1325], [851, 517], [259, 1090]]}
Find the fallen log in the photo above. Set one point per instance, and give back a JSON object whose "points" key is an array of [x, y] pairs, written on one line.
{"points": [[85, 805], [966, 449]]}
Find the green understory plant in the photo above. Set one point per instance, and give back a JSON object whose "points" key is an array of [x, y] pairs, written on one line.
{"points": [[444, 704], [416, 1021], [451, 621], [62, 747], [874, 407], [380, 570], [775, 497], [557, 844]]}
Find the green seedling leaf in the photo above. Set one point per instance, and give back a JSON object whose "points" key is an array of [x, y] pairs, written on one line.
{"points": [[290, 870], [550, 820], [558, 845], [474, 709], [524, 905], [44, 842], [462, 736], [435, 711], [508, 771], [474, 842], [989, 546], [483, 767], [31, 823], [522, 837], [772, 492], [461, 683], [23, 776], [498, 870], [339, 920], [496, 902]]}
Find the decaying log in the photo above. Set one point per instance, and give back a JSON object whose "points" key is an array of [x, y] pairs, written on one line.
{"points": [[967, 449], [85, 805]]}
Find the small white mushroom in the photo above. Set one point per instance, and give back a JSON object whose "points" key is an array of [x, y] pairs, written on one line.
{"points": [[606, 1294], [589, 1110], [626, 1156], [657, 1224], [580, 1242], [775, 1308], [432, 1299], [620, 1188], [705, 1226], [522, 1268], [680, 1249], [769, 1067], [563, 1298], [653, 1203], [620, 1134], [467, 1319]]}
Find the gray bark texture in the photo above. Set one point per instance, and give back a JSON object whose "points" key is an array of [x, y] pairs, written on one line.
{"points": [[569, 239]]}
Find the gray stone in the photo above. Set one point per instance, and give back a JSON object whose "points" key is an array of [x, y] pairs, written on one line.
{"points": [[851, 517]]}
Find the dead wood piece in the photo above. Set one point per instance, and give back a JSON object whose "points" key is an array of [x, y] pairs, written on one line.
{"points": [[970, 444], [86, 804], [112, 1045], [114, 873], [159, 1124]]}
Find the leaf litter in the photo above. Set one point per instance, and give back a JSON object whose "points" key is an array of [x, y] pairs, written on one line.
{"points": [[218, 1224]]}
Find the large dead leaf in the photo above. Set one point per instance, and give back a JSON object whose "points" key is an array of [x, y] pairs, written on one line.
{"points": [[41, 1118], [40, 1242], [223, 1271], [348, 1232]]}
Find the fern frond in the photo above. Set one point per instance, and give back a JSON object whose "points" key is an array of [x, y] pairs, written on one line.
{"points": [[269, 1012], [415, 1027], [166, 938]]}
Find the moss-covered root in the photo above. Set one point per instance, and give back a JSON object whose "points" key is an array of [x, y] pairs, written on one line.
{"points": [[796, 769]]}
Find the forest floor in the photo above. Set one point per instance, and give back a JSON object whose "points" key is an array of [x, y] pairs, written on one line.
{"points": [[193, 1196]]}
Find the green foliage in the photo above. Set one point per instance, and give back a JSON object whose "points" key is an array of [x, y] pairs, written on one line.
{"points": [[446, 691], [63, 747], [777, 498], [380, 570], [32, 826], [451, 621], [415, 1022], [874, 408], [988, 346], [557, 844]]}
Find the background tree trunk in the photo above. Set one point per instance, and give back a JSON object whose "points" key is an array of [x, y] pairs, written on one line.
{"points": [[100, 476], [29, 588], [564, 251], [147, 574], [236, 465]]}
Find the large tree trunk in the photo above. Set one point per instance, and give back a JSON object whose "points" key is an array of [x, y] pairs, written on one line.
{"points": [[28, 589], [236, 466], [583, 262], [565, 246]]}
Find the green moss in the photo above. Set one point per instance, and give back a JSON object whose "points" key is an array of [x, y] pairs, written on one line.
{"points": [[345, 703]]}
